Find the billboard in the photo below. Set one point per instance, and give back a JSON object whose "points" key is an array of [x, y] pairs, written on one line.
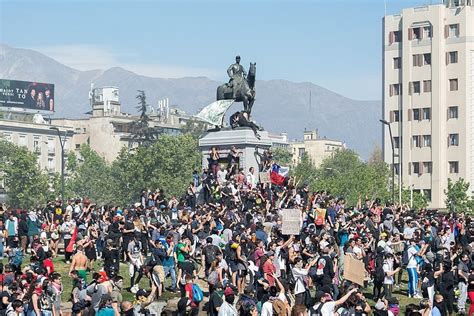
{"points": [[26, 95]]}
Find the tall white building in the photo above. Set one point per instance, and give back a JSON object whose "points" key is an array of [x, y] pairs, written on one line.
{"points": [[428, 96]]}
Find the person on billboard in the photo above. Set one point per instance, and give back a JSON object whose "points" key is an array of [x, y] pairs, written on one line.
{"points": [[30, 101], [48, 99], [40, 104]]}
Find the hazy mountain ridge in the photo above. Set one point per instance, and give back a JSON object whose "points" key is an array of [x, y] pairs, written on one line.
{"points": [[280, 106]]}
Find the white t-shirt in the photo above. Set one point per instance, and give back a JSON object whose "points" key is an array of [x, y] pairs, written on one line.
{"points": [[267, 307], [327, 309], [299, 275], [388, 267], [411, 257], [221, 174]]}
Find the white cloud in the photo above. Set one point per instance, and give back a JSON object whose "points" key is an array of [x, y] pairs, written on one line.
{"points": [[89, 57]]}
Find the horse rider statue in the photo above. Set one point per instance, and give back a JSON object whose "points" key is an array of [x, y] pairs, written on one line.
{"points": [[237, 76]]}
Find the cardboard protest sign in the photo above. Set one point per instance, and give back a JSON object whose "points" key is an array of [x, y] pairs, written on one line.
{"points": [[354, 270], [265, 177], [291, 221]]}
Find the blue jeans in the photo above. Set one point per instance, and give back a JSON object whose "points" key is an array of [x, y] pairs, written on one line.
{"points": [[1, 249], [412, 281], [172, 271]]}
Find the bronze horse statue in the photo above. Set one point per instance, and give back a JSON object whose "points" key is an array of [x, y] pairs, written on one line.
{"points": [[245, 94]]}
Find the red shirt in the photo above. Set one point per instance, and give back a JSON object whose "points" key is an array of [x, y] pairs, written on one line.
{"points": [[269, 269], [48, 263], [189, 290]]}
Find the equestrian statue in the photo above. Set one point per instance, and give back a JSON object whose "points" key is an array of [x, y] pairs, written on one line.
{"points": [[241, 87]]}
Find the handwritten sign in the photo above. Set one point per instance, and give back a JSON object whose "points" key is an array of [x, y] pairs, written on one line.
{"points": [[265, 177], [291, 221], [354, 270]]}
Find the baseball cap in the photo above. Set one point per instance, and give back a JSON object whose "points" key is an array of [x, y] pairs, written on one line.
{"points": [[228, 291]]}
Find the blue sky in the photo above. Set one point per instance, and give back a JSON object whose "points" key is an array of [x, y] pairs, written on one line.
{"points": [[335, 44]]}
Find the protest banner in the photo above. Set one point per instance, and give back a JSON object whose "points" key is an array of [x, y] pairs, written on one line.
{"points": [[264, 177], [354, 269], [291, 221]]}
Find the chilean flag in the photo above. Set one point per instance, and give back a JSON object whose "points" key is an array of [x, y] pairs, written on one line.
{"points": [[278, 174]]}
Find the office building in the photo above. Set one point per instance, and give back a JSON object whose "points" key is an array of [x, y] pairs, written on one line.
{"points": [[315, 147], [428, 96]]}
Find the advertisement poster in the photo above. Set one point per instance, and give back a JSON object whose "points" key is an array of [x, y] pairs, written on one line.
{"points": [[26, 95]]}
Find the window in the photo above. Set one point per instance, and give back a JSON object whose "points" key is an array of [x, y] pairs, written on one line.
{"points": [[427, 113], [427, 167], [397, 63], [453, 140], [427, 59], [396, 142], [397, 168], [453, 84], [395, 116], [51, 148], [416, 141], [22, 141], [36, 145], [417, 60], [426, 140], [451, 30], [417, 33], [452, 57], [416, 168], [300, 152], [394, 37], [78, 146], [7, 137], [416, 115], [50, 164], [421, 59], [426, 85], [454, 167], [395, 89], [427, 32], [415, 87], [453, 112], [427, 194]]}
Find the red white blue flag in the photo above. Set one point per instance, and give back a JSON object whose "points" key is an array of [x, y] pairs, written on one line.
{"points": [[279, 174]]}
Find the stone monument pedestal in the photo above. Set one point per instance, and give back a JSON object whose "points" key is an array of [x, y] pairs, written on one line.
{"points": [[242, 138]]}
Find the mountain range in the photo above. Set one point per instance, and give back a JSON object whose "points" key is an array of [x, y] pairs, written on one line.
{"points": [[280, 106]]}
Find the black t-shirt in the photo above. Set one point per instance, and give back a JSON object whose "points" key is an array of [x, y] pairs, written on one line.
{"points": [[128, 226], [214, 301], [2, 295]]}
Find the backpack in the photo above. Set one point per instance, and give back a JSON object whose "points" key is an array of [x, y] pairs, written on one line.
{"points": [[17, 258], [197, 294], [379, 273], [279, 308], [405, 258], [210, 254], [317, 311], [290, 279], [230, 254]]}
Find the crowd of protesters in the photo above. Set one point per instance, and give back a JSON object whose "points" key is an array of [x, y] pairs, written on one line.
{"points": [[221, 250]]}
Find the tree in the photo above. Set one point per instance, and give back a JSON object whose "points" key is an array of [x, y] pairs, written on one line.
{"points": [[457, 197], [26, 184], [345, 175], [376, 156], [167, 164], [142, 132], [91, 177], [304, 172], [414, 199], [194, 127], [282, 156]]}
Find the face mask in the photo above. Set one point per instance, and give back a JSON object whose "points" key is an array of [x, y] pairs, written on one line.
{"points": [[230, 298]]}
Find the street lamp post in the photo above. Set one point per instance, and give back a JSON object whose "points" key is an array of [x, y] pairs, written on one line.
{"points": [[62, 141], [393, 158]]}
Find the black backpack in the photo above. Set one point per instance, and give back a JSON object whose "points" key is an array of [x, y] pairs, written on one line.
{"points": [[379, 273], [230, 254], [210, 253]]}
